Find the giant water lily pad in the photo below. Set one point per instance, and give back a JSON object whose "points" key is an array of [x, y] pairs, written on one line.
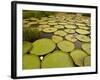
{"points": [[59, 26], [66, 46], [43, 22], [84, 27], [43, 26], [78, 56], [33, 19], [62, 23], [87, 61], [52, 23], [82, 31], [57, 59], [49, 30], [87, 48], [70, 23], [71, 37], [60, 33], [83, 38], [44, 18], [69, 30], [80, 24], [57, 39], [30, 61], [26, 46], [42, 46], [70, 26]]}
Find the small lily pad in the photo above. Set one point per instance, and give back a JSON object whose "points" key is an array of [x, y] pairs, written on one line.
{"points": [[87, 61], [42, 46], [43, 26], [82, 31], [52, 23], [83, 38], [59, 26], [69, 30], [70, 23], [60, 33], [80, 24], [70, 26], [33, 19], [30, 61], [57, 39], [49, 30], [26, 46], [87, 48], [78, 56], [43, 22], [84, 27], [66, 46], [63, 23], [44, 18], [71, 37], [57, 59]]}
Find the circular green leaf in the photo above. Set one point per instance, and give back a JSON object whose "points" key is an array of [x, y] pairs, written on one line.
{"points": [[69, 30], [70, 26], [57, 59], [30, 62], [83, 38], [49, 30], [43, 46], [87, 61], [26, 46], [84, 27], [66, 46], [87, 47], [57, 39], [78, 56], [71, 37], [59, 26], [82, 31], [60, 33]]}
